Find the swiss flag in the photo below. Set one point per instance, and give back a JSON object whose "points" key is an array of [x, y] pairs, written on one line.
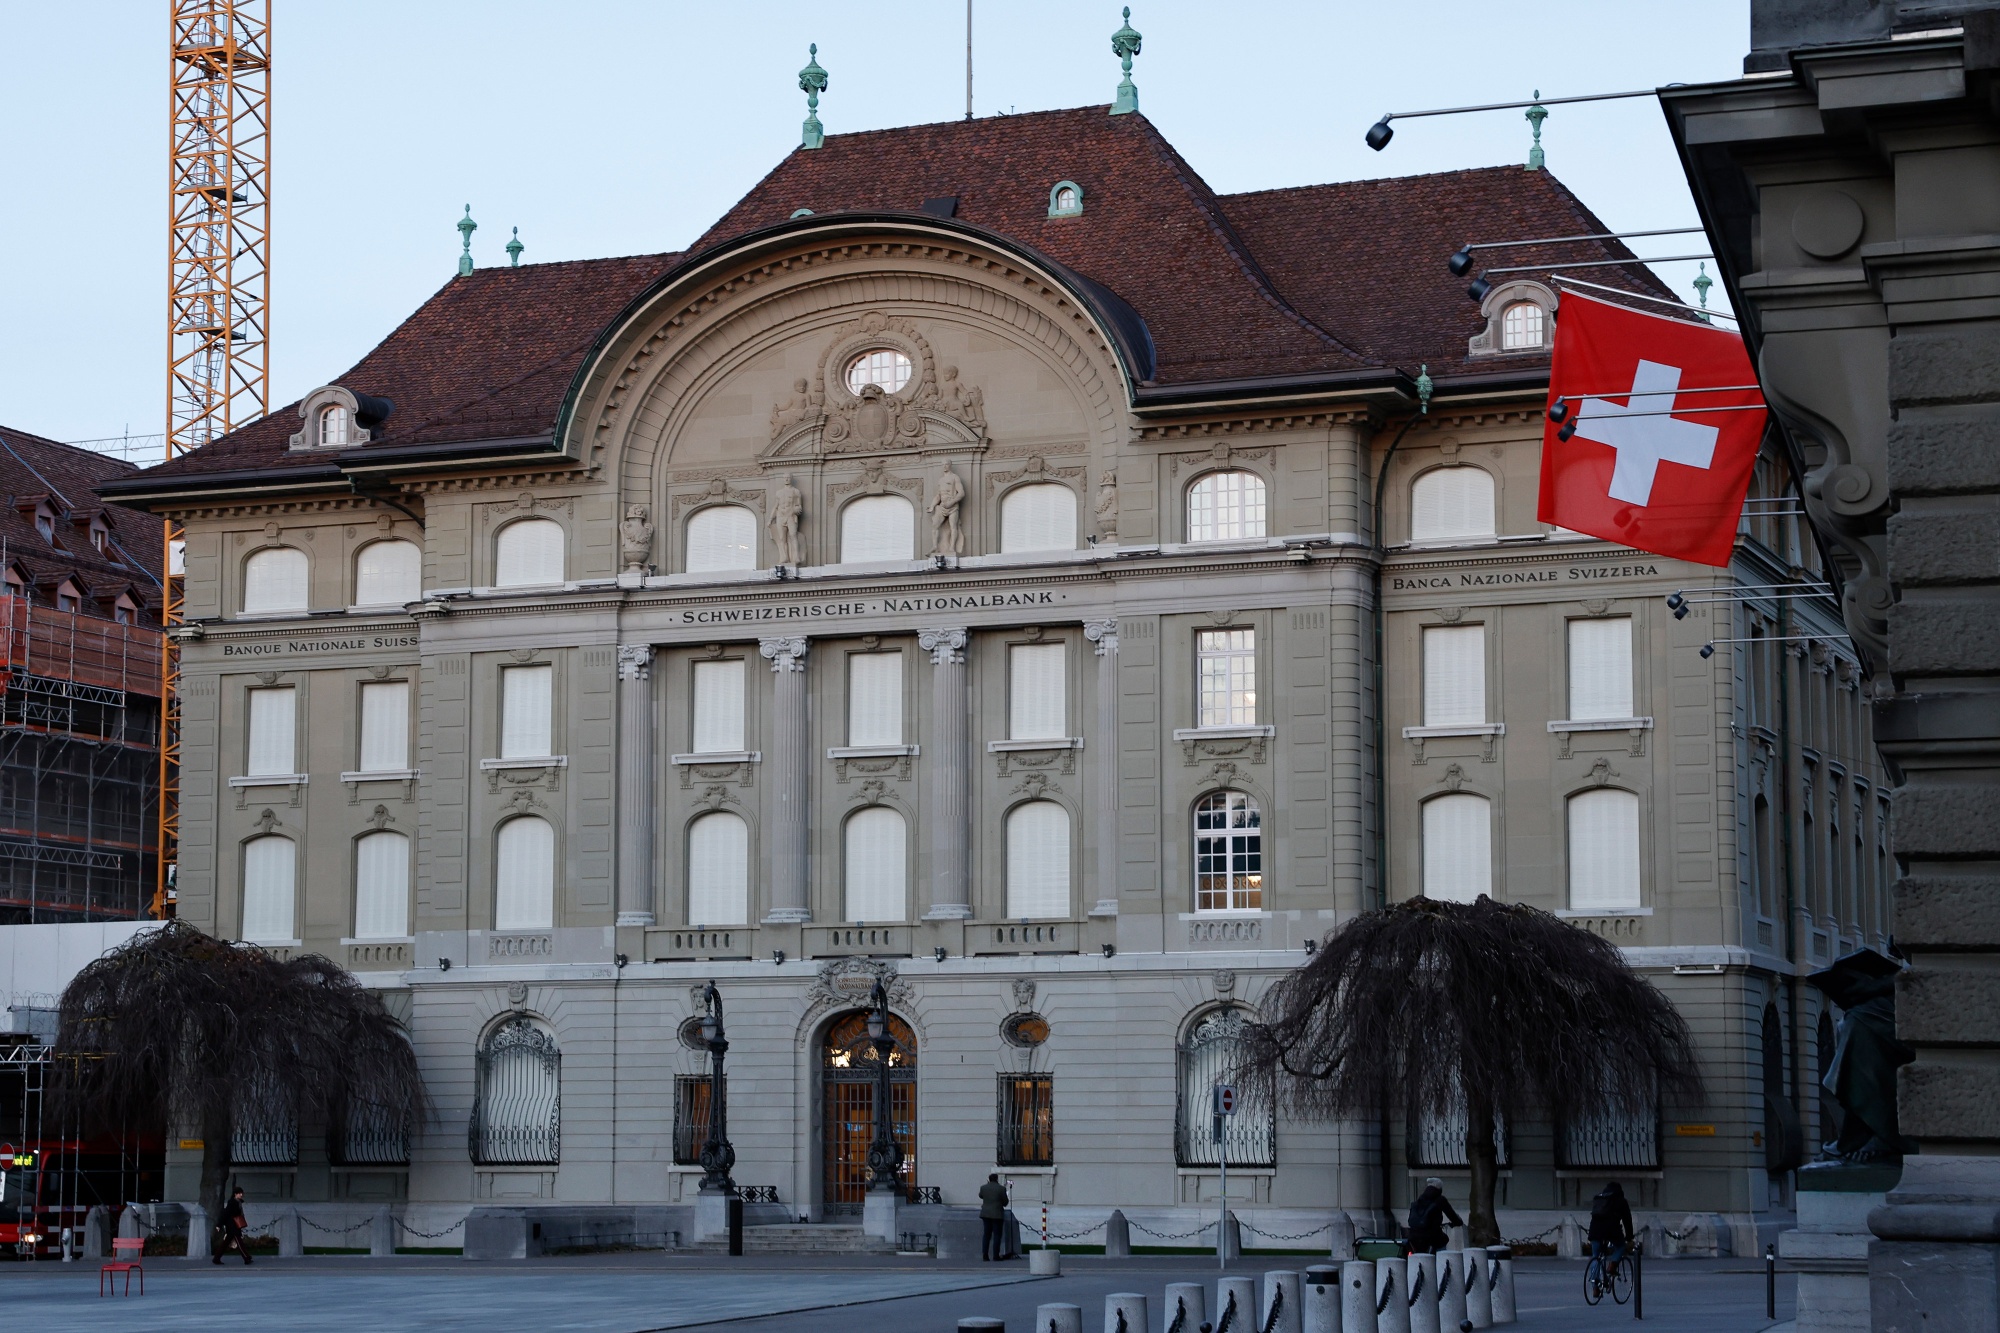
{"points": [[1653, 461]]}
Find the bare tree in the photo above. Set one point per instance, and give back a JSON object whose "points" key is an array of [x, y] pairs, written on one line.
{"points": [[178, 1028], [1481, 1009]]}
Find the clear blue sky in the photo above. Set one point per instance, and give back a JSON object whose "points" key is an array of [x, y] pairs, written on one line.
{"points": [[606, 127]]}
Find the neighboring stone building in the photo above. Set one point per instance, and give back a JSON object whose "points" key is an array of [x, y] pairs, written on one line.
{"points": [[958, 569]]}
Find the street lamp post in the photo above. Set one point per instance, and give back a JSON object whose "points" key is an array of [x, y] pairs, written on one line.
{"points": [[885, 1156], [717, 1156]]}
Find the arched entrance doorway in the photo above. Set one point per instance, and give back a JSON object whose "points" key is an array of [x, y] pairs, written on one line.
{"points": [[848, 1070]]}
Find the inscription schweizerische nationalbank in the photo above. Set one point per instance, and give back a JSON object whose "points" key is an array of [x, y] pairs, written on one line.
{"points": [[866, 606]]}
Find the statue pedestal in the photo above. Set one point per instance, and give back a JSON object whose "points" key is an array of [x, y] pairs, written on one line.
{"points": [[711, 1216], [1935, 1265], [1829, 1250], [879, 1214]]}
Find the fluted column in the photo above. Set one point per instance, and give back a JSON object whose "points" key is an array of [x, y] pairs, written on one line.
{"points": [[948, 765], [790, 771], [1104, 800], [635, 784]]}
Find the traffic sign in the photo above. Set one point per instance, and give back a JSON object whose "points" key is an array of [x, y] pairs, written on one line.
{"points": [[1225, 1099]]}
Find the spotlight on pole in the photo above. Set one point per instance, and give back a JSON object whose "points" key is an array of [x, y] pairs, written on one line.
{"points": [[1558, 410], [1678, 605], [1708, 650], [1379, 134], [1477, 291], [1568, 429], [1460, 262]]}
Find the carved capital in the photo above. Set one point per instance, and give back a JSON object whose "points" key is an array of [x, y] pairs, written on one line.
{"points": [[946, 646], [1103, 633], [787, 654], [635, 661]]}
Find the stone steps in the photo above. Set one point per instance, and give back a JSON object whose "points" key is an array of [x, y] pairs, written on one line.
{"points": [[800, 1239]]}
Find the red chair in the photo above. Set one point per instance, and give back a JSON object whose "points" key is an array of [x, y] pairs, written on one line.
{"points": [[121, 1247]]}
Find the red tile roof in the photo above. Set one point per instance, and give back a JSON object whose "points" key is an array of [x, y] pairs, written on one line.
{"points": [[33, 468]]}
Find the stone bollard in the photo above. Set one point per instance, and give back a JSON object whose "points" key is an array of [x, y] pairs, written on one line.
{"points": [[1231, 1238], [981, 1324], [1319, 1300], [1056, 1318], [1117, 1236], [1281, 1294], [1450, 1290], [291, 1240], [1341, 1247], [198, 1238], [1044, 1263], [1392, 1295], [1478, 1295], [1357, 1296], [1125, 1312], [128, 1223], [1569, 1239], [95, 1224], [1455, 1238], [1500, 1282], [382, 1234], [1423, 1295], [1236, 1305], [1185, 1298]]}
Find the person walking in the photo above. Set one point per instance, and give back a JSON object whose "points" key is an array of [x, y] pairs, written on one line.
{"points": [[1430, 1213], [233, 1223], [1610, 1223], [992, 1219]]}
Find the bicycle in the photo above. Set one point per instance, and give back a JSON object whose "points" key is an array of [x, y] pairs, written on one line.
{"points": [[1608, 1272]]}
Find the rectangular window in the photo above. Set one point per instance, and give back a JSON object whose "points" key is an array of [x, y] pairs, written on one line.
{"points": [[875, 699], [718, 707], [1455, 676], [1027, 1120], [273, 732], [385, 726], [1226, 662], [1600, 669], [692, 1094], [1036, 692], [526, 704]]}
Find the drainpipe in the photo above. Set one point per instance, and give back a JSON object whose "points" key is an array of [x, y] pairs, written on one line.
{"points": [[1789, 982]]}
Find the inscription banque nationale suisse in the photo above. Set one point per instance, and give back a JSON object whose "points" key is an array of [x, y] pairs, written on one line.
{"points": [[1499, 577], [869, 606], [352, 644]]}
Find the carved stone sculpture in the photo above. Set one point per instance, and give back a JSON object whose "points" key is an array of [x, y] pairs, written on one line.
{"points": [[787, 504], [967, 402], [1862, 1077], [795, 407], [635, 539], [947, 537], [1107, 507]]}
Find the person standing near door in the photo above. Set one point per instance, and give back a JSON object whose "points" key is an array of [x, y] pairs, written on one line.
{"points": [[992, 1219]]}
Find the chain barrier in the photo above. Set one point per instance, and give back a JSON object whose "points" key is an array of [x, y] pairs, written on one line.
{"points": [[1672, 1234], [1228, 1320], [1048, 1236], [1161, 1235], [1416, 1288], [1276, 1235], [335, 1231], [1277, 1308], [1530, 1240], [409, 1230], [1388, 1290], [1180, 1316], [1122, 1326]]}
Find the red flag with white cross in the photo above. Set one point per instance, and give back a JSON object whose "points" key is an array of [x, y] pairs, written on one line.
{"points": [[1653, 429]]}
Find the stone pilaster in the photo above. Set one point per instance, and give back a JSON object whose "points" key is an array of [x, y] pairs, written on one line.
{"points": [[949, 767], [635, 784], [1104, 740], [790, 773]]}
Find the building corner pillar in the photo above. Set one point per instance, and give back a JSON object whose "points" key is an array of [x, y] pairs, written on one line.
{"points": [[791, 780], [1104, 799], [950, 771], [635, 784]]}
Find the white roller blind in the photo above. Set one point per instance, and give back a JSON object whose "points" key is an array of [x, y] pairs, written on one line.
{"points": [[1458, 847], [273, 732], [388, 574], [529, 551], [385, 726], [382, 886], [1451, 502], [877, 866], [275, 580], [526, 702], [718, 707], [1037, 692], [721, 537], [270, 869], [1455, 676], [875, 699], [1039, 517], [878, 527], [524, 877], [1038, 861], [1600, 668], [718, 869], [1604, 851]]}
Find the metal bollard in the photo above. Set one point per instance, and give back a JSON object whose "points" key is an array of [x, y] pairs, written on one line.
{"points": [[1392, 1295], [1281, 1303], [1319, 1300], [1450, 1290], [1186, 1310], [1770, 1282], [1342, 1245], [1058, 1318], [1236, 1305], [1125, 1312], [1500, 1282], [1478, 1296], [1423, 1296], [1357, 1296]]}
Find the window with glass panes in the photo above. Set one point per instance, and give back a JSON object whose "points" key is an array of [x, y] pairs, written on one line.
{"points": [[1226, 506], [1226, 667], [1228, 853], [1027, 1116]]}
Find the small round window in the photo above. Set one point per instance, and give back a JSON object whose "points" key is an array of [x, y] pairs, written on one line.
{"points": [[883, 367], [690, 1034], [1025, 1030]]}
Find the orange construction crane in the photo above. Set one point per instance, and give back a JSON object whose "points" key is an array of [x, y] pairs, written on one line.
{"points": [[218, 289]]}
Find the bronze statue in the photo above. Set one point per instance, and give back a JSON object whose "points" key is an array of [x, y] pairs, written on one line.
{"points": [[1862, 1078]]}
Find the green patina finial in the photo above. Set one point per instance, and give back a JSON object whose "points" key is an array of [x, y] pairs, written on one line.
{"points": [[1536, 114], [1125, 45], [514, 249], [812, 82], [1702, 282], [466, 226], [1424, 388]]}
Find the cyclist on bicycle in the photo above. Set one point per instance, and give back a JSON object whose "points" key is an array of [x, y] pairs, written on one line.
{"points": [[1610, 1224], [1430, 1213]]}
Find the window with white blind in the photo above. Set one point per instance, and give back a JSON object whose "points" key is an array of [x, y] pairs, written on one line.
{"points": [[1037, 692], [1038, 861], [274, 580], [718, 869], [388, 574], [382, 886], [1226, 506], [273, 733], [1600, 669], [270, 877], [877, 866], [529, 552], [1226, 673], [1038, 517], [721, 537], [1458, 847], [1455, 676], [524, 875], [526, 707], [874, 698], [718, 707], [878, 527], [1604, 851], [1452, 504], [385, 726]]}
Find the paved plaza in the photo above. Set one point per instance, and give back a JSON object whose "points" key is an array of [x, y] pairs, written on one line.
{"points": [[631, 1293]]}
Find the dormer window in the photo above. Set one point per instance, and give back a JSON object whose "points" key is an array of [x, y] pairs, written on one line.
{"points": [[16, 586], [1066, 200], [100, 536], [1520, 320], [333, 426], [1521, 327], [336, 417], [125, 611], [68, 597], [45, 523]]}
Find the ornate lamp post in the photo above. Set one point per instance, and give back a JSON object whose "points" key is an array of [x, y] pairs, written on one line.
{"points": [[885, 1156], [717, 1156]]}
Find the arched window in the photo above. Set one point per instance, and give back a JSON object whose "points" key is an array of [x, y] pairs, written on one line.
{"points": [[270, 878], [333, 424], [718, 870], [1228, 853], [382, 886], [877, 866], [1226, 506], [1521, 327], [1215, 1051], [1039, 517], [1065, 200], [1604, 851], [721, 537], [1038, 861], [884, 367], [529, 552], [1458, 847], [524, 875], [388, 574], [517, 1117], [1451, 504], [878, 527], [274, 579]]}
